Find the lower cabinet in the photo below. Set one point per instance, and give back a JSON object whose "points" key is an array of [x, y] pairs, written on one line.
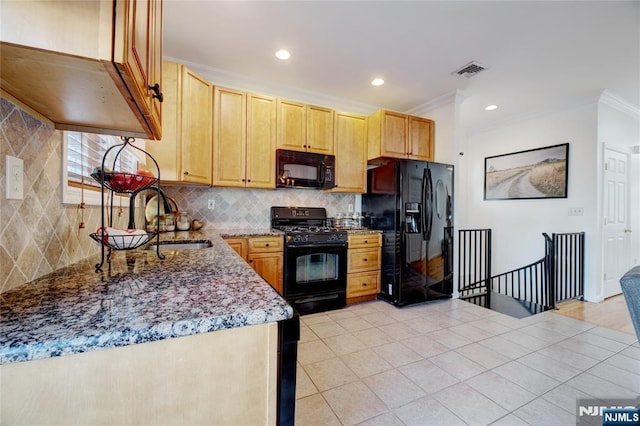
{"points": [[363, 267], [264, 255]]}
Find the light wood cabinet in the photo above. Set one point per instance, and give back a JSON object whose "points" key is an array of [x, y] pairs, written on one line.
{"points": [[303, 127], [363, 267], [264, 255], [101, 61], [185, 152], [351, 152], [244, 139], [395, 135]]}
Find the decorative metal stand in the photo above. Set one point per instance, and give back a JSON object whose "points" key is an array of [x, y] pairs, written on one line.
{"points": [[123, 183]]}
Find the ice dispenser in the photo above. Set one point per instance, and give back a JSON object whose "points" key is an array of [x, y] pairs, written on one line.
{"points": [[412, 215]]}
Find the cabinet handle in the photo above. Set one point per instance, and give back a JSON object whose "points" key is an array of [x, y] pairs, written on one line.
{"points": [[366, 241], [186, 173], [364, 284], [156, 92], [250, 260], [266, 245], [248, 180], [364, 260], [243, 180]]}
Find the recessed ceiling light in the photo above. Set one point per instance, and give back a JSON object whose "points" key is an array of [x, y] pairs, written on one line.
{"points": [[491, 107], [377, 82], [283, 54]]}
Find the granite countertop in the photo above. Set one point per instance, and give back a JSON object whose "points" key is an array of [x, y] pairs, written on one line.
{"points": [[136, 299]]}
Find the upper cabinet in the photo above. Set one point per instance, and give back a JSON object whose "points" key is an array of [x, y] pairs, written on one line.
{"points": [[350, 152], [303, 127], [185, 152], [244, 139], [92, 66], [395, 135]]}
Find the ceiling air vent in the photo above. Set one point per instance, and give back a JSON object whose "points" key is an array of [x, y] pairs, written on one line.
{"points": [[469, 70]]}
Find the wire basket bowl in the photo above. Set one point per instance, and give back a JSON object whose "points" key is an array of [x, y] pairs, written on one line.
{"points": [[123, 242], [124, 182]]}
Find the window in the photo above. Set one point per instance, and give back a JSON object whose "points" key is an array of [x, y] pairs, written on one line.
{"points": [[82, 152]]}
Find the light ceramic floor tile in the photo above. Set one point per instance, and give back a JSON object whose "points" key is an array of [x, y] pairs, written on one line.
{"points": [[354, 324], [507, 321], [304, 385], [541, 412], [616, 375], [306, 335], [565, 397], [565, 326], [585, 348], [428, 376], [365, 363], [394, 388], [550, 366], [386, 419], [372, 337], [525, 340], [488, 358], [601, 342], [505, 347], [618, 336], [427, 412], [344, 344], [632, 352], [397, 354], [568, 356], [377, 319], [315, 351], [406, 313], [471, 332], [314, 411], [425, 346], [340, 314], [422, 324], [446, 321], [528, 378], [327, 329], [354, 403], [469, 404], [600, 388], [510, 420], [457, 365], [624, 362], [571, 322], [542, 332], [448, 339], [500, 390], [329, 373], [315, 318], [398, 331], [463, 316]]}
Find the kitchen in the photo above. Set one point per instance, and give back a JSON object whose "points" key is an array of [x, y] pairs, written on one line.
{"points": [[57, 241]]}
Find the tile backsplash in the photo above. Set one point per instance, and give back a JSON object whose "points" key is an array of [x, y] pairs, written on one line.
{"points": [[40, 234]]}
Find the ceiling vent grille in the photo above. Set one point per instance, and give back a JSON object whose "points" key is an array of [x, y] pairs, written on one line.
{"points": [[469, 70]]}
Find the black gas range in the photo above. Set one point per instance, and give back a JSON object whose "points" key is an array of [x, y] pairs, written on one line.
{"points": [[315, 259]]}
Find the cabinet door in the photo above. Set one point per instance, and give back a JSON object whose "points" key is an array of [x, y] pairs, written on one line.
{"points": [[292, 125], [394, 134], [229, 137], [363, 284], [239, 245], [420, 138], [167, 152], [141, 61], [360, 260], [319, 130], [197, 128], [261, 142], [269, 267], [351, 153]]}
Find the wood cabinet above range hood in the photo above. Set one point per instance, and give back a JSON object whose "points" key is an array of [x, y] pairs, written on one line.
{"points": [[92, 66]]}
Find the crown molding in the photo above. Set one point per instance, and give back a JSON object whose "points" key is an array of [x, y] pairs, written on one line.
{"points": [[242, 82], [610, 99], [446, 99]]}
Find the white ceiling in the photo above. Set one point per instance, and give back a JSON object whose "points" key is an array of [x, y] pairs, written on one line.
{"points": [[540, 55]]}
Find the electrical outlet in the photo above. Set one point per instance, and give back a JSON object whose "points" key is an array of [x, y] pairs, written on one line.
{"points": [[350, 208], [576, 211], [211, 204], [14, 171]]}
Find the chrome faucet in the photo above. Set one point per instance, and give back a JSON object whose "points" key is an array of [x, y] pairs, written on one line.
{"points": [[132, 205]]}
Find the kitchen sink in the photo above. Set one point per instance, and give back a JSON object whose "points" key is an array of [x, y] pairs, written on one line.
{"points": [[181, 245]]}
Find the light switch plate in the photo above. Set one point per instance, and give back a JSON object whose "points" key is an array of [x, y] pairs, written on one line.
{"points": [[14, 170]]}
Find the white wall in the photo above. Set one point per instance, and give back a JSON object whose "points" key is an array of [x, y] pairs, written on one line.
{"points": [[518, 224]]}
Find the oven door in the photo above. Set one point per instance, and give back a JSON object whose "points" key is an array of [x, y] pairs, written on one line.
{"points": [[315, 270]]}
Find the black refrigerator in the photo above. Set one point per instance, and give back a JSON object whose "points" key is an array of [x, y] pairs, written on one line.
{"points": [[411, 202]]}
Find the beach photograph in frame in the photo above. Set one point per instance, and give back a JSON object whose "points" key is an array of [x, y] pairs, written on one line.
{"points": [[531, 174]]}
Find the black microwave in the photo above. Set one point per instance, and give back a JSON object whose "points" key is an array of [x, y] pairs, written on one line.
{"points": [[296, 169]]}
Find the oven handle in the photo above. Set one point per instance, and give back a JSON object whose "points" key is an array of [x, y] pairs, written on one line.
{"points": [[316, 246]]}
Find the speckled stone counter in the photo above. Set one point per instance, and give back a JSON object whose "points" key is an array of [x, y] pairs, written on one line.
{"points": [[137, 299]]}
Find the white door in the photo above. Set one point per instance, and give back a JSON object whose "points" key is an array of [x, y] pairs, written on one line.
{"points": [[616, 232]]}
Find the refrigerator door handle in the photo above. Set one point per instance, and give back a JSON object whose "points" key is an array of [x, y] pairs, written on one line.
{"points": [[427, 202]]}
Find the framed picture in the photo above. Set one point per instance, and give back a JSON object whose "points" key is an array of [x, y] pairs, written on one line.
{"points": [[536, 173]]}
